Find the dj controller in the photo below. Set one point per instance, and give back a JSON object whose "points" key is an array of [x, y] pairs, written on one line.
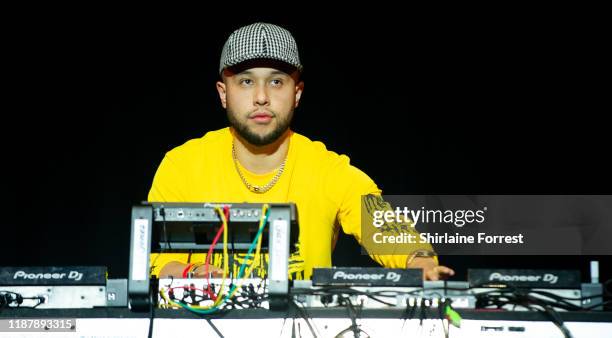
{"points": [[354, 289], [358, 291], [83, 287]]}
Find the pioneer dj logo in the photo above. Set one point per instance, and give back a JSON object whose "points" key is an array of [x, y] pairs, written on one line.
{"points": [[73, 275], [547, 278], [390, 276]]}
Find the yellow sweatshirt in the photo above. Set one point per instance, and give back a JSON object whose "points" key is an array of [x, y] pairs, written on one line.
{"points": [[325, 187]]}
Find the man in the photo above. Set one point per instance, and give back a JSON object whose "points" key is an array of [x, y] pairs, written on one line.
{"points": [[259, 159]]}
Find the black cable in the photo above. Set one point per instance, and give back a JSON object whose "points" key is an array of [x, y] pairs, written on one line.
{"points": [[233, 252], [166, 239], [283, 325], [162, 212], [7, 299], [422, 313], [151, 313], [521, 297], [251, 298], [353, 315], [530, 302], [498, 297], [189, 254], [379, 300], [559, 301], [552, 295], [562, 302], [214, 327], [305, 316], [429, 312], [501, 296], [408, 312], [558, 321], [153, 265]]}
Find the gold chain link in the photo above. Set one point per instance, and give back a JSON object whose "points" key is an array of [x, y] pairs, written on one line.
{"points": [[256, 188]]}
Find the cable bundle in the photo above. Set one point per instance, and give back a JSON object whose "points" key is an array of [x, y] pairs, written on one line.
{"points": [[222, 297]]}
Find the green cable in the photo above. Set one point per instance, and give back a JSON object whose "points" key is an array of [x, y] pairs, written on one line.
{"points": [[216, 308], [453, 316]]}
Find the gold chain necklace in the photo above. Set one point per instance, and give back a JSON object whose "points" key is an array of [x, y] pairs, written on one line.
{"points": [[256, 188]]}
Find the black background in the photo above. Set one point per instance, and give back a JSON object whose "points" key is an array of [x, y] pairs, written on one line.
{"points": [[443, 101]]}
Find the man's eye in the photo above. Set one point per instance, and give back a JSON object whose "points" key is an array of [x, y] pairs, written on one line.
{"points": [[276, 82], [246, 82]]}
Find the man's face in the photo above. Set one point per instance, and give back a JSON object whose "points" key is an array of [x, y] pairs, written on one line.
{"points": [[260, 102]]}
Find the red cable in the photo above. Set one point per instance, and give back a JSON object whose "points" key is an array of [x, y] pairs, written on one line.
{"points": [[209, 254], [186, 270]]}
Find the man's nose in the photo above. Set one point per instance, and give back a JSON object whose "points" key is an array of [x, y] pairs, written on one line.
{"points": [[261, 95]]}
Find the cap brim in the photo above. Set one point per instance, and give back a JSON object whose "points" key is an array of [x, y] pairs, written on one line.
{"points": [[267, 63]]}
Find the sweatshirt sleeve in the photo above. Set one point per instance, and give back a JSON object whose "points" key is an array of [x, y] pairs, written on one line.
{"points": [[353, 191]]}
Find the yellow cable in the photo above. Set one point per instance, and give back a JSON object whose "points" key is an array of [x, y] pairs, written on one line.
{"points": [[163, 294], [257, 250], [225, 258], [220, 296]]}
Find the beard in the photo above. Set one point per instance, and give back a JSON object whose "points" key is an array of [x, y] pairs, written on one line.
{"points": [[260, 140]]}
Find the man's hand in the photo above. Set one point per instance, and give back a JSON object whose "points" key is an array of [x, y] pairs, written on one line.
{"points": [[175, 269], [431, 270]]}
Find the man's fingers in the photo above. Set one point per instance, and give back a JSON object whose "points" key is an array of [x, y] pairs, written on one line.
{"points": [[445, 270], [213, 270], [439, 272]]}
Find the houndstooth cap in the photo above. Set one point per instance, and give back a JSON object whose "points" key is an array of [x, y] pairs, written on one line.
{"points": [[260, 41]]}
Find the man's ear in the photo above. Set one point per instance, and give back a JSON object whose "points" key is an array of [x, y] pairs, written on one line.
{"points": [[299, 88], [222, 93]]}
